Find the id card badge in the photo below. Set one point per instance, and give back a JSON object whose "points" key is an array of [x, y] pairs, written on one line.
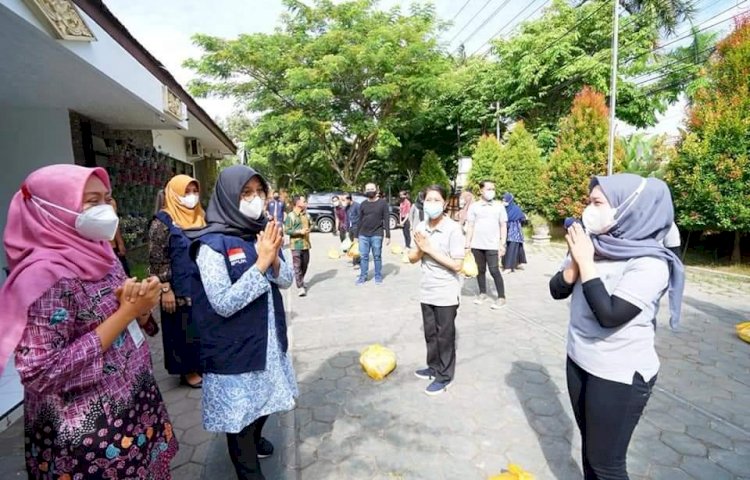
{"points": [[136, 333]]}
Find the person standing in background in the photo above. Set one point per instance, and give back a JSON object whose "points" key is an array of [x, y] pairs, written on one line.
{"points": [[404, 211], [342, 223], [374, 222], [515, 256], [673, 241], [464, 203], [169, 260], [277, 209], [298, 226], [486, 235], [353, 215], [118, 243]]}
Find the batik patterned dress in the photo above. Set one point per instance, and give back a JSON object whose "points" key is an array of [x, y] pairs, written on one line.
{"points": [[232, 402], [89, 414]]}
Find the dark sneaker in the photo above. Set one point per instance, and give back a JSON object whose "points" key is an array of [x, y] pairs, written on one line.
{"points": [[425, 374], [360, 281], [264, 448], [436, 388], [378, 280]]}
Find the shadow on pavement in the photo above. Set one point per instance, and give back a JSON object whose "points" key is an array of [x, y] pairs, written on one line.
{"points": [[714, 311], [538, 395], [321, 277], [390, 270]]}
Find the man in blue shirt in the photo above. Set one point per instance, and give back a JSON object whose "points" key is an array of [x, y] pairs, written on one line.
{"points": [[277, 209]]}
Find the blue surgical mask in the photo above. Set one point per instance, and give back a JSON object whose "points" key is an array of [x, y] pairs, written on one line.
{"points": [[433, 209]]}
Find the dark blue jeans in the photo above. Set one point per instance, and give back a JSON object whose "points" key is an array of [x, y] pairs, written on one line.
{"points": [[365, 245]]}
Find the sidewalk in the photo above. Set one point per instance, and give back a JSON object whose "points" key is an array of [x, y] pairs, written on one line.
{"points": [[508, 403]]}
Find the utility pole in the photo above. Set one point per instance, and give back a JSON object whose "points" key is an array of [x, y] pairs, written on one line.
{"points": [[497, 120], [613, 89]]}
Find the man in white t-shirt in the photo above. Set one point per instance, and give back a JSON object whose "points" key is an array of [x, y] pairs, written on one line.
{"points": [[486, 234]]}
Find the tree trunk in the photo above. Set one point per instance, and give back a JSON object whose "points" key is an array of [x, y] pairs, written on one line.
{"points": [[736, 252]]}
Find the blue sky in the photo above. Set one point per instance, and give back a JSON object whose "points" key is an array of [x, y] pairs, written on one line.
{"points": [[164, 27]]}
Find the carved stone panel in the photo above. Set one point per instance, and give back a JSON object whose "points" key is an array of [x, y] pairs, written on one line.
{"points": [[63, 19], [173, 105]]}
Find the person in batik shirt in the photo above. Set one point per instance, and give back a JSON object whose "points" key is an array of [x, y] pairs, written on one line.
{"points": [[91, 405]]}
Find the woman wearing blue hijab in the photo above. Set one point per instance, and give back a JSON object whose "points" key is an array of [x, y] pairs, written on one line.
{"points": [[515, 255], [617, 273]]}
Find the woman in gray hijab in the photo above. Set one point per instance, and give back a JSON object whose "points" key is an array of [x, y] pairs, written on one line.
{"points": [[617, 272], [248, 372]]}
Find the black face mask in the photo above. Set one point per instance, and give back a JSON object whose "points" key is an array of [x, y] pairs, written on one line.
{"points": [[275, 197], [370, 194]]}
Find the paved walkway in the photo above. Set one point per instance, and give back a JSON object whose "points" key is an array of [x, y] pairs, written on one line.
{"points": [[508, 403]]}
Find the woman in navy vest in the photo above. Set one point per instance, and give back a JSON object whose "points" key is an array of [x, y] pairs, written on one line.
{"points": [[170, 261], [248, 373]]}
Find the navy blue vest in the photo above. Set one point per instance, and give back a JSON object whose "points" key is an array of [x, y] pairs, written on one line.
{"points": [[184, 269], [235, 344]]}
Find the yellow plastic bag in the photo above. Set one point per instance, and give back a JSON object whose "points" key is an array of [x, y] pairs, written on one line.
{"points": [[743, 331], [396, 249], [514, 472], [354, 250], [334, 254], [469, 268], [377, 361]]}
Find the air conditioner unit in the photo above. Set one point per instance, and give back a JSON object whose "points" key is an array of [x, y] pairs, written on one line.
{"points": [[194, 148]]}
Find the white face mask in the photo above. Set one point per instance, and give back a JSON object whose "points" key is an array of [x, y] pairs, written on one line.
{"points": [[98, 223], [488, 195], [190, 200], [600, 220], [252, 209]]}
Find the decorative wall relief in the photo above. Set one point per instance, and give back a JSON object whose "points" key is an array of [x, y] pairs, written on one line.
{"points": [[63, 19]]}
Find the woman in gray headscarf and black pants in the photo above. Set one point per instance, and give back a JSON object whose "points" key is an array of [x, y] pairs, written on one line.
{"points": [[617, 272]]}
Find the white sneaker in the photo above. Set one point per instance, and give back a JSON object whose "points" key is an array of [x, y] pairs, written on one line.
{"points": [[480, 299], [302, 292], [498, 304]]}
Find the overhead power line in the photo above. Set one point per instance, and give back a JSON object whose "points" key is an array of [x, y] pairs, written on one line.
{"points": [[469, 22], [486, 21], [511, 22], [460, 10]]}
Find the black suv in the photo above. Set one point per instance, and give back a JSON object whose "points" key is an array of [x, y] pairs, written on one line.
{"points": [[320, 209]]}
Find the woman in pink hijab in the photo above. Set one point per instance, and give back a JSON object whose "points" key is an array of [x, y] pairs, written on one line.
{"points": [[91, 405]]}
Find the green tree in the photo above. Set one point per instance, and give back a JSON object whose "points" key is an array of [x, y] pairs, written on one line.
{"points": [[431, 173], [540, 70], [354, 73], [710, 178], [581, 152], [521, 169], [647, 156], [483, 160]]}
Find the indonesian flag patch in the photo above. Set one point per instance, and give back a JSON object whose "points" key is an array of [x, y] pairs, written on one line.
{"points": [[236, 256]]}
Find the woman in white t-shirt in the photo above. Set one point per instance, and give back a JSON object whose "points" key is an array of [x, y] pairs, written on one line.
{"points": [[617, 273]]}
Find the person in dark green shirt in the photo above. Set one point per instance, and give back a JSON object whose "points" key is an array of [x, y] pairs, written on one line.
{"points": [[298, 225]]}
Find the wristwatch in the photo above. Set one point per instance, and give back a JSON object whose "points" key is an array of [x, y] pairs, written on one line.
{"points": [[166, 289]]}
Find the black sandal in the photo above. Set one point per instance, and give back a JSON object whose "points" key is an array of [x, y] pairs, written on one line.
{"points": [[184, 381]]}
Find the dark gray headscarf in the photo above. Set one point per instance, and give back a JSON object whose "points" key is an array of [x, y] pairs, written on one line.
{"points": [[223, 214], [640, 229]]}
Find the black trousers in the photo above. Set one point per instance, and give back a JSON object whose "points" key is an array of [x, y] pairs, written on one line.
{"points": [[242, 450], [407, 233], [606, 413], [440, 336], [489, 259], [300, 261]]}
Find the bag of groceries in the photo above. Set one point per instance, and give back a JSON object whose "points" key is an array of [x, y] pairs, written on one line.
{"points": [[469, 268], [514, 472], [743, 331], [377, 361], [354, 250]]}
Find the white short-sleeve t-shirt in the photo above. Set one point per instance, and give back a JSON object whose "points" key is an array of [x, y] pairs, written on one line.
{"points": [[616, 354], [486, 218], [439, 285]]}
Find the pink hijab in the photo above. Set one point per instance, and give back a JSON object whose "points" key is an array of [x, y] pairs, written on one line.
{"points": [[40, 250]]}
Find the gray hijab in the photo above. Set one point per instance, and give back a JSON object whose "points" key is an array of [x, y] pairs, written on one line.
{"points": [[639, 230], [223, 214]]}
